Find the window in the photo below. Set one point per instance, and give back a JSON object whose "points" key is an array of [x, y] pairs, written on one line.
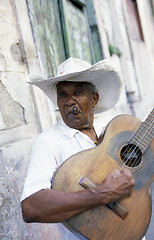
{"points": [[94, 34], [61, 30], [80, 31], [134, 20], [75, 31]]}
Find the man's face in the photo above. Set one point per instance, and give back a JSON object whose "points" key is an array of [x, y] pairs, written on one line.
{"points": [[75, 94]]}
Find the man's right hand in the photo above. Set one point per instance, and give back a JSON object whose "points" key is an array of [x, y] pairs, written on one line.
{"points": [[117, 185]]}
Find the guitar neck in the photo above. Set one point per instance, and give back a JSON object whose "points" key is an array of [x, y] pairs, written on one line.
{"points": [[145, 133]]}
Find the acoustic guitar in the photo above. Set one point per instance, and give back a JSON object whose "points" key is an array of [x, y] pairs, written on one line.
{"points": [[128, 143]]}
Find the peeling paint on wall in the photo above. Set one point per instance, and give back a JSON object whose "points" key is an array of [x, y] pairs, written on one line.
{"points": [[12, 112], [16, 52], [3, 65]]}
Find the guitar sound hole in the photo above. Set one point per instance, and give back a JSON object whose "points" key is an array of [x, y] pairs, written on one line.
{"points": [[131, 155]]}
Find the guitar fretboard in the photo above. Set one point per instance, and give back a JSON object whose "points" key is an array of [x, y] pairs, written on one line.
{"points": [[145, 133]]}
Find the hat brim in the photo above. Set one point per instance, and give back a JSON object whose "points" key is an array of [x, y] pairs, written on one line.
{"points": [[103, 75]]}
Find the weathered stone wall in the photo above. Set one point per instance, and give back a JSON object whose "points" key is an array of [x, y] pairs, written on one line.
{"points": [[17, 122], [25, 111]]}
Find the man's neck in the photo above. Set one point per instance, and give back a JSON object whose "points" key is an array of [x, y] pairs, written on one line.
{"points": [[90, 132]]}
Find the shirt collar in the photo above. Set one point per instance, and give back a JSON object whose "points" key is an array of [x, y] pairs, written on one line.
{"points": [[69, 132]]}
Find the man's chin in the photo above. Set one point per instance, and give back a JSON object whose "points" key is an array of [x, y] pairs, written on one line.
{"points": [[77, 123], [74, 123]]}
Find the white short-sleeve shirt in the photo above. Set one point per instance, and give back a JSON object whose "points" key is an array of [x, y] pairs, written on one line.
{"points": [[51, 149]]}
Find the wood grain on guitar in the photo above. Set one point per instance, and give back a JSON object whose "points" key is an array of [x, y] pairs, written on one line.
{"points": [[129, 143]]}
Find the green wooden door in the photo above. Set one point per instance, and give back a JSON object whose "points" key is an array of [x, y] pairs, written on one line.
{"points": [[75, 29], [61, 30], [47, 32]]}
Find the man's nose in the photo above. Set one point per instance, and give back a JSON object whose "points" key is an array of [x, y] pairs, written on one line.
{"points": [[70, 101]]}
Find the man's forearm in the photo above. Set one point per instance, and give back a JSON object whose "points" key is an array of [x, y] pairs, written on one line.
{"points": [[51, 206]]}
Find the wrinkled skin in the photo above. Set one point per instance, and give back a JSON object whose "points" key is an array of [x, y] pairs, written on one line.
{"points": [[77, 95]]}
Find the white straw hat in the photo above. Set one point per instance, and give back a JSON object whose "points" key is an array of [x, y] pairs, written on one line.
{"points": [[103, 75]]}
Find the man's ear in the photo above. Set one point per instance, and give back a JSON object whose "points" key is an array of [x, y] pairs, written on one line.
{"points": [[95, 98]]}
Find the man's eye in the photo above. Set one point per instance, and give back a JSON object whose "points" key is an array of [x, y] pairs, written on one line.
{"points": [[61, 94], [78, 92]]}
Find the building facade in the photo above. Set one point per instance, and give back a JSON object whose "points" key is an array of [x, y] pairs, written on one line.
{"points": [[35, 37]]}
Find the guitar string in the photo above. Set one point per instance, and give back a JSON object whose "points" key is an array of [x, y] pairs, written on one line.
{"points": [[143, 133], [141, 139], [135, 151]]}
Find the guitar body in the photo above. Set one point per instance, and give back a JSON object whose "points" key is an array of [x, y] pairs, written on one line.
{"points": [[101, 223]]}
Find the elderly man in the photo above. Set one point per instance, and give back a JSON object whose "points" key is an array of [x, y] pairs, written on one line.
{"points": [[81, 90]]}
